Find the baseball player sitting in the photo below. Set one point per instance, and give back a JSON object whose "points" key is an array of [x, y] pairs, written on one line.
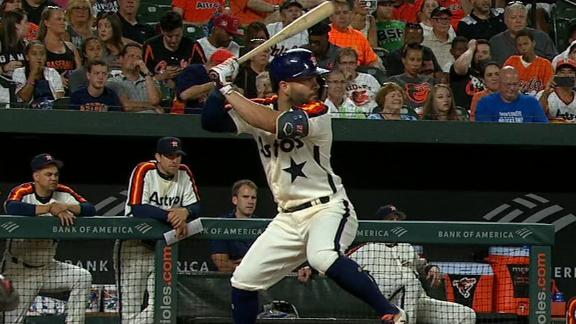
{"points": [[227, 254], [316, 221], [162, 189], [30, 263], [396, 267]]}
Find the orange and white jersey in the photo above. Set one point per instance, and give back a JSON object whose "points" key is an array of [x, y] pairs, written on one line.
{"points": [[148, 187], [534, 76], [38, 252], [298, 170]]}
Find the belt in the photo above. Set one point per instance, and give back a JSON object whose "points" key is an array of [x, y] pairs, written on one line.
{"points": [[26, 265], [317, 201]]}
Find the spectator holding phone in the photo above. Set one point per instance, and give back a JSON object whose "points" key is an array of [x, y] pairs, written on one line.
{"points": [[558, 98]]}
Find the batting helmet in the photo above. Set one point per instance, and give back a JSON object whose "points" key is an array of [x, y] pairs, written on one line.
{"points": [[295, 64]]}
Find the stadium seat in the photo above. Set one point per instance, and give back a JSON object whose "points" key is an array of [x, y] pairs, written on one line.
{"points": [[563, 16], [194, 32]]}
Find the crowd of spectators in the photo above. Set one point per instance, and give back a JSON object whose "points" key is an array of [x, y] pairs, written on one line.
{"points": [[444, 56]]}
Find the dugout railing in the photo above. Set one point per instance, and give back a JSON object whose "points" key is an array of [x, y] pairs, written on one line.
{"points": [[538, 237]]}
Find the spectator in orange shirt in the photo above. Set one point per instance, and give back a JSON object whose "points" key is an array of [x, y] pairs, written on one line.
{"points": [[198, 12], [535, 71], [343, 35]]}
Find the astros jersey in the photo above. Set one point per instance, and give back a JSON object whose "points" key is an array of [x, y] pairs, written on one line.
{"points": [[38, 252], [559, 109], [148, 187], [298, 170], [533, 77], [295, 41]]}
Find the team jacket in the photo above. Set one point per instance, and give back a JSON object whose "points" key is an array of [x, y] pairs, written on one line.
{"points": [[147, 187], [38, 252]]}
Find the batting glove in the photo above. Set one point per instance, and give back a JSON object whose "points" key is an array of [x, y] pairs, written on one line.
{"points": [[224, 74]]}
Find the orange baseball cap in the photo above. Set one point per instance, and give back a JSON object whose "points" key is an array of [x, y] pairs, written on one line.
{"points": [[220, 56]]}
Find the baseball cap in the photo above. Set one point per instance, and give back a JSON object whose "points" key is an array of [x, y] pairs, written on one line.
{"points": [[220, 56], [388, 211], [288, 3], [229, 23], [41, 161], [169, 146], [566, 62], [440, 10]]}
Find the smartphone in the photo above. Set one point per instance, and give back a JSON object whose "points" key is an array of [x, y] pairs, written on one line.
{"points": [[567, 82]]}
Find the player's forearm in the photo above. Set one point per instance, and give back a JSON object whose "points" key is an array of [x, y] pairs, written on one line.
{"points": [[149, 211], [215, 118], [136, 106], [25, 209], [86, 209], [254, 114]]}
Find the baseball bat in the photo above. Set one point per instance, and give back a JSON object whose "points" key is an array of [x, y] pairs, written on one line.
{"points": [[309, 19]]}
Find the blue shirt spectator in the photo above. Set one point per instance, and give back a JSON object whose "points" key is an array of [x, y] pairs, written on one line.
{"points": [[96, 97], [227, 254], [508, 105], [525, 109]]}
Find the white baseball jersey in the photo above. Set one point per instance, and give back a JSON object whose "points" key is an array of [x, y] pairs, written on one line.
{"points": [[297, 170], [560, 109], [38, 252], [295, 41], [362, 91], [148, 187]]}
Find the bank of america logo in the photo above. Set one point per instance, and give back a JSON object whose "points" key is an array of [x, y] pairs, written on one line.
{"points": [[531, 208], [523, 232], [399, 231], [143, 228], [9, 226]]}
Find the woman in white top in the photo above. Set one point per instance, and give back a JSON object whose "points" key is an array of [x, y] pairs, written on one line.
{"points": [[37, 84]]}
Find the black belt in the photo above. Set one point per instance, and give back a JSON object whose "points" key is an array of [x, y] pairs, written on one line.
{"points": [[26, 265], [317, 201]]}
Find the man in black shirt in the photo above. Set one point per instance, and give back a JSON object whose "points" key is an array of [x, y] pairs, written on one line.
{"points": [[483, 22], [131, 27], [167, 54], [34, 9]]}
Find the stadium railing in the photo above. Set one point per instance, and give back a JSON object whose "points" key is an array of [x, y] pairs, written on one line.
{"points": [[538, 238]]}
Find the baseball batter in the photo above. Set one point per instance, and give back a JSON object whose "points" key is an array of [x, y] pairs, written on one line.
{"points": [[163, 189], [30, 263], [396, 268], [315, 221]]}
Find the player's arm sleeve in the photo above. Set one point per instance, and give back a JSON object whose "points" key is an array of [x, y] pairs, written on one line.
{"points": [[215, 117], [312, 120], [149, 211], [14, 207], [87, 209]]}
